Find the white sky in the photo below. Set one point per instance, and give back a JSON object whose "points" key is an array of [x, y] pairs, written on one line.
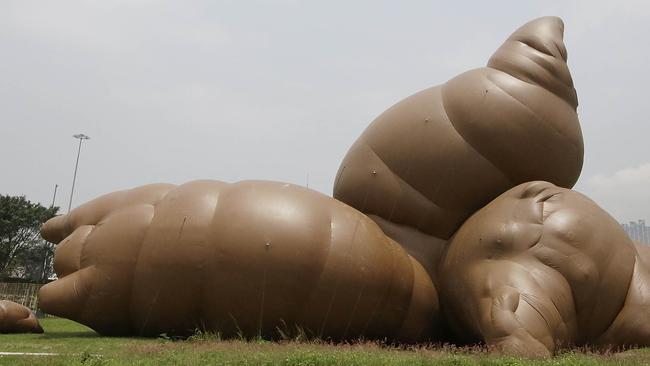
{"points": [[172, 91]]}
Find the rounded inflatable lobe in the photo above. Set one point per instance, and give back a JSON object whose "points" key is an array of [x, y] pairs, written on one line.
{"points": [[253, 258], [527, 274]]}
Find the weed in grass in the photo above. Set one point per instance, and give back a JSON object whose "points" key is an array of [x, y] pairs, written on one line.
{"points": [[89, 359], [204, 336]]}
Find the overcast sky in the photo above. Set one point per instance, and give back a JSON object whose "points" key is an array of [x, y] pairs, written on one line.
{"points": [[172, 91]]}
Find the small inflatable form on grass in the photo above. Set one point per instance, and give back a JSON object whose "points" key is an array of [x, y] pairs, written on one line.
{"points": [[526, 273], [16, 318]]}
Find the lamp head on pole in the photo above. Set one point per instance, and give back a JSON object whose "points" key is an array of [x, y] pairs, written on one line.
{"points": [[81, 136]]}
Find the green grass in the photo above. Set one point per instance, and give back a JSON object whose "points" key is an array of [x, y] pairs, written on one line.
{"points": [[78, 345]]}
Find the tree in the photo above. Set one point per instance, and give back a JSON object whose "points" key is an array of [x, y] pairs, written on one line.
{"points": [[22, 251]]}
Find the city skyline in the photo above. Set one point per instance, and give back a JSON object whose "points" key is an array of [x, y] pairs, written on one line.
{"points": [[637, 231]]}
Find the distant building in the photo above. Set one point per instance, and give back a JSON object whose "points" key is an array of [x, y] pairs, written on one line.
{"points": [[638, 231]]}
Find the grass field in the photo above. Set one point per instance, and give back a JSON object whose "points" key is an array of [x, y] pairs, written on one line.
{"points": [[69, 343]]}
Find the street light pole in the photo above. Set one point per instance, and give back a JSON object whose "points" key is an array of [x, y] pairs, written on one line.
{"points": [[46, 244], [81, 137], [56, 186]]}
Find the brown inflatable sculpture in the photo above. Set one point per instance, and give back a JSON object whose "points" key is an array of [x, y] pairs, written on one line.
{"points": [[16, 318], [542, 267], [525, 274]]}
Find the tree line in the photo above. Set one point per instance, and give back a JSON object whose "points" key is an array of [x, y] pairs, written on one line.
{"points": [[24, 255]]}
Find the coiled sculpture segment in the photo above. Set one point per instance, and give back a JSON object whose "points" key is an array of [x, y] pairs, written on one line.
{"points": [[253, 258]]}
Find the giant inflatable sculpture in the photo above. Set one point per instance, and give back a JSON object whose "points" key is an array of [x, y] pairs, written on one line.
{"points": [[453, 207], [16, 318]]}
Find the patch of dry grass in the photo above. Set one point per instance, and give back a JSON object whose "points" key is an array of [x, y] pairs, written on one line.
{"points": [[78, 345]]}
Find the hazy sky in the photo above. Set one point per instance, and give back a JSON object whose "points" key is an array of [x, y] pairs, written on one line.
{"points": [[172, 91]]}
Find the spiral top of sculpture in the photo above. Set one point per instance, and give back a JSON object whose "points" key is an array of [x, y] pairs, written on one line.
{"points": [[427, 163]]}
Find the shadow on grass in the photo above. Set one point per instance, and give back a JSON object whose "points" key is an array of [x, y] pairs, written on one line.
{"points": [[61, 335]]}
